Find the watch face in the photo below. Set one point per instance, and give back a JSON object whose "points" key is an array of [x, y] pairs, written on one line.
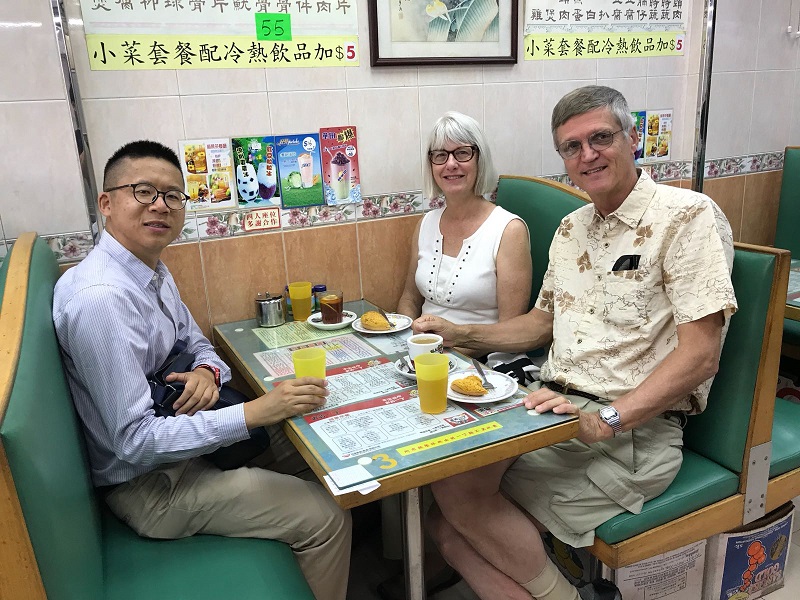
{"points": [[608, 412]]}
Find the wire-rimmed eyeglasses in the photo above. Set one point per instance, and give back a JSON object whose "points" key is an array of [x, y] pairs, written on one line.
{"points": [[148, 194], [597, 141], [462, 154]]}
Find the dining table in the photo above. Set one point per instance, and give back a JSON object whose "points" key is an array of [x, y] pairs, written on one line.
{"points": [[370, 440]]}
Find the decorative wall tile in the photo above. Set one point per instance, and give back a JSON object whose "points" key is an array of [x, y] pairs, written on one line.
{"points": [[189, 231], [221, 224], [308, 216], [390, 205], [434, 203], [70, 247]]}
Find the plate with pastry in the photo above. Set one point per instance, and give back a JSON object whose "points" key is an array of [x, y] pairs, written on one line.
{"points": [[373, 322], [465, 386]]}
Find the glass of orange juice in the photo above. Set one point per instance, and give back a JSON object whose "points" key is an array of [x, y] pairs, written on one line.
{"points": [[432, 372], [300, 294], [309, 362]]}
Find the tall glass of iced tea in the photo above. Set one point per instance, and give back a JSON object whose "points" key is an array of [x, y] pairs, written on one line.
{"points": [[331, 304]]}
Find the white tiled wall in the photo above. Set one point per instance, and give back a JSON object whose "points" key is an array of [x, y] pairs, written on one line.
{"points": [[752, 108]]}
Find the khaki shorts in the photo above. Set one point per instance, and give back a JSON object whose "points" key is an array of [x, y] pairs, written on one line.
{"points": [[572, 488]]}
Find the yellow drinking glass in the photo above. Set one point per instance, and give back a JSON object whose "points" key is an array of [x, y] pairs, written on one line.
{"points": [[432, 372], [300, 294], [309, 362]]}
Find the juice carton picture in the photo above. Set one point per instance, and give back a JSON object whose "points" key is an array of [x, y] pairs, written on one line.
{"points": [[340, 179], [749, 562], [207, 168], [256, 170], [299, 169], [639, 118]]}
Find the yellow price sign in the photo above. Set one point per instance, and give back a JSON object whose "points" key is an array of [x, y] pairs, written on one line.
{"points": [[559, 46]]}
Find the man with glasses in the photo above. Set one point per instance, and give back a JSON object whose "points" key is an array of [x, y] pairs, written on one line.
{"points": [[117, 315], [635, 301]]}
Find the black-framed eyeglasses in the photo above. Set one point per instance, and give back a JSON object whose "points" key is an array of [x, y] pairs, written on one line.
{"points": [[146, 193], [461, 154], [597, 141]]}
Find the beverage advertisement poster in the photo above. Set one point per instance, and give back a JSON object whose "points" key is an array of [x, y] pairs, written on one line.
{"points": [[256, 171], [208, 172], [655, 135], [299, 170], [340, 179]]}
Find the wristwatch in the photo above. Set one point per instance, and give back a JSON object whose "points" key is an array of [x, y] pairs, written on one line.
{"points": [[610, 416]]}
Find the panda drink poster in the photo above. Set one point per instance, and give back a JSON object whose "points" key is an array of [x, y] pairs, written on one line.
{"points": [[256, 163], [208, 172], [340, 180], [299, 170]]}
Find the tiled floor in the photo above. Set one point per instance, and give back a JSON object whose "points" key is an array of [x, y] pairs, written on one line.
{"points": [[369, 568]]}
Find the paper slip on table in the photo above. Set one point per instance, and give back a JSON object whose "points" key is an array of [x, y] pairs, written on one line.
{"points": [[371, 430]]}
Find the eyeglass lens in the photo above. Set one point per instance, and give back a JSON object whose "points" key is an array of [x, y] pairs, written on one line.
{"points": [[461, 154], [146, 194], [600, 139]]}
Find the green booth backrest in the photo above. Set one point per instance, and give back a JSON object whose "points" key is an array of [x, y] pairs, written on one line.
{"points": [[3, 270], [44, 443], [542, 206], [720, 432], [786, 233]]}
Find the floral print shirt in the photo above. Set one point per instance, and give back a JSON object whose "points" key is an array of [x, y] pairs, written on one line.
{"points": [[618, 287]]}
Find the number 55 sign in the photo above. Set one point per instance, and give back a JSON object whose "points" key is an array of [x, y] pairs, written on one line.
{"points": [[273, 26]]}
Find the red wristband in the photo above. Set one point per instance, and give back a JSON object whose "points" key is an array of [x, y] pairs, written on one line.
{"points": [[214, 370]]}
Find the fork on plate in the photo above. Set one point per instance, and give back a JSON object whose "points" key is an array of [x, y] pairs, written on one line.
{"points": [[479, 368]]}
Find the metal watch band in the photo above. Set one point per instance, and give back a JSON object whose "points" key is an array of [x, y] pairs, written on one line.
{"points": [[610, 416]]}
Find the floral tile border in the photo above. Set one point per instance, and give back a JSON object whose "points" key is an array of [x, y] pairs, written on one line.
{"points": [[742, 165], [69, 247], [391, 205], [310, 216]]}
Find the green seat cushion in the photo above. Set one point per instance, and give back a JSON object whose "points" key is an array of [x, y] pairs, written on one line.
{"points": [[791, 332], [699, 482], [210, 567], [785, 437], [789, 205]]}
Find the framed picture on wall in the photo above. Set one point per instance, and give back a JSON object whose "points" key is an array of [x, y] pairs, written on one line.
{"points": [[442, 32]]}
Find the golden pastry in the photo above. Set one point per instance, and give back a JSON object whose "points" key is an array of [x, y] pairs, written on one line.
{"points": [[469, 386], [375, 321]]}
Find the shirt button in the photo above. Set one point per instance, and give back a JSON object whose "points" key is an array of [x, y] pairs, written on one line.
{"points": [[591, 311], [580, 341], [606, 245]]}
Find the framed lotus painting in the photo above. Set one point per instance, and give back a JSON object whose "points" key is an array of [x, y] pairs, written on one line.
{"points": [[442, 32]]}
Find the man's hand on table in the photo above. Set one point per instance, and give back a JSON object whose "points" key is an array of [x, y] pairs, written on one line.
{"points": [[199, 393], [591, 428], [292, 397]]}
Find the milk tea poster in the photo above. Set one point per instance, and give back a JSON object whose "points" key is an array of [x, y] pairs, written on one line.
{"points": [[299, 169], [340, 180], [256, 163], [208, 172]]}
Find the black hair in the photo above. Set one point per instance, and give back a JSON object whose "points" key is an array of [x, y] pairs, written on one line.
{"points": [[140, 149]]}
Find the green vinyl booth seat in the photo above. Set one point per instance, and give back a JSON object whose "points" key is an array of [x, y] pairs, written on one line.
{"points": [[785, 438], [787, 231], [83, 552], [715, 442]]}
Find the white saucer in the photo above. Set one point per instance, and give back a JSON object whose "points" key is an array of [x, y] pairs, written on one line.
{"points": [[401, 367], [504, 387], [347, 318], [399, 323]]}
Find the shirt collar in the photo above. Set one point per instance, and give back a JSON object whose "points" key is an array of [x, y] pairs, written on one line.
{"points": [[632, 209], [140, 272]]}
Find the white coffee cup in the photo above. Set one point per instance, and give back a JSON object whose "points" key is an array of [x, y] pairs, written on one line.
{"points": [[422, 343]]}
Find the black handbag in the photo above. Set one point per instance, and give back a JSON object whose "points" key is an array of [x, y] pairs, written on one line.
{"points": [[165, 394]]}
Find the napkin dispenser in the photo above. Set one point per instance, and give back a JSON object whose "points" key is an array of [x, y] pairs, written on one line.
{"points": [[270, 310]]}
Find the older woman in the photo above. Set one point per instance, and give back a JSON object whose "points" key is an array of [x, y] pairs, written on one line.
{"points": [[470, 260]]}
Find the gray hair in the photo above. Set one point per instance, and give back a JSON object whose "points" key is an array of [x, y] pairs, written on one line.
{"points": [[588, 98], [458, 128]]}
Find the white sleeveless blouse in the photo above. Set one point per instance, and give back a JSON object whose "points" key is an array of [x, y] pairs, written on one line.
{"points": [[462, 289]]}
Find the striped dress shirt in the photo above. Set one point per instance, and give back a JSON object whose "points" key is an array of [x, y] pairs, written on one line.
{"points": [[117, 321]]}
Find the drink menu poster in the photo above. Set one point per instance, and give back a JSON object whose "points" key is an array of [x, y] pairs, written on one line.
{"points": [[300, 170], [655, 135], [341, 183], [256, 171], [208, 172]]}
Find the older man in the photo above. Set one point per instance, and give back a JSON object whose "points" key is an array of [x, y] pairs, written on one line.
{"points": [[117, 316], [635, 301]]}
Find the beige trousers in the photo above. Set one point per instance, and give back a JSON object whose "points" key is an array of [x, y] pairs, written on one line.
{"points": [[193, 496]]}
